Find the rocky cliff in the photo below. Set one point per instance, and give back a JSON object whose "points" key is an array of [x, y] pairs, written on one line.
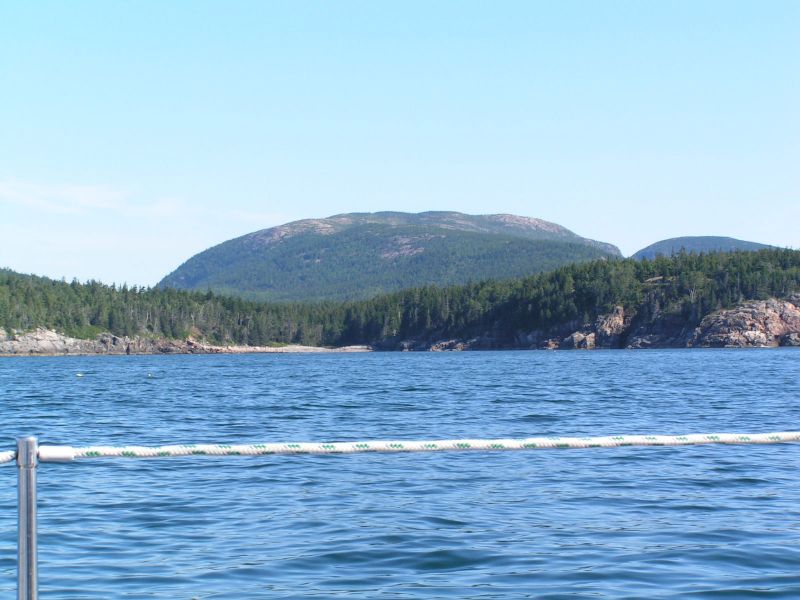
{"points": [[761, 323]]}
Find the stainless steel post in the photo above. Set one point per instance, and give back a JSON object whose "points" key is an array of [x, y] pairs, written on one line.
{"points": [[27, 581]]}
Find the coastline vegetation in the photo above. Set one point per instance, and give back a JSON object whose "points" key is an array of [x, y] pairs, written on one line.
{"points": [[688, 286]]}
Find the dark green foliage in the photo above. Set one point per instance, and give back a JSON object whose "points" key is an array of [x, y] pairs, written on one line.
{"points": [[697, 244], [355, 256], [687, 286]]}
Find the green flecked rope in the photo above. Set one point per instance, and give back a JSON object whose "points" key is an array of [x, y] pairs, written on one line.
{"points": [[68, 453]]}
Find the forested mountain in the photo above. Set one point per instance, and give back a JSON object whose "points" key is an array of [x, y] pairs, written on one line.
{"points": [[685, 287], [706, 243], [360, 255]]}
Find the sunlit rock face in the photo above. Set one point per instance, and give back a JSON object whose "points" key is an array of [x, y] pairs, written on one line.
{"points": [[760, 323]]}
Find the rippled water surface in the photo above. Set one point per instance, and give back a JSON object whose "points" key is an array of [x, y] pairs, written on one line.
{"points": [[694, 522]]}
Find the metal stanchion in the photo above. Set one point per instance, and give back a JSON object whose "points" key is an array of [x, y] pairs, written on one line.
{"points": [[27, 582]]}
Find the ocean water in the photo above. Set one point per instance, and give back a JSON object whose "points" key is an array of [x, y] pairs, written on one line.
{"points": [[685, 522]]}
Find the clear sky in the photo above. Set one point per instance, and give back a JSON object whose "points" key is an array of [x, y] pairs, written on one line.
{"points": [[135, 134]]}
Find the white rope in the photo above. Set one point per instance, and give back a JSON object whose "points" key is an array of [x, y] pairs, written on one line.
{"points": [[8, 456], [68, 453]]}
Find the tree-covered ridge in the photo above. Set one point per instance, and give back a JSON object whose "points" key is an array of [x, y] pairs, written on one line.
{"points": [[686, 286], [698, 244], [360, 255]]}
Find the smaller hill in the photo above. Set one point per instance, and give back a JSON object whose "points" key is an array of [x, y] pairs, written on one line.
{"points": [[697, 244]]}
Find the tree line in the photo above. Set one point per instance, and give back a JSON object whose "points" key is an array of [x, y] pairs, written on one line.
{"points": [[688, 286]]}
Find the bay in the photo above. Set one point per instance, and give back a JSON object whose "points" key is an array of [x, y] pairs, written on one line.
{"points": [[693, 522]]}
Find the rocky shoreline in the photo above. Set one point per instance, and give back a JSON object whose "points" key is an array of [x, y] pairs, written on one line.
{"points": [[753, 324], [45, 342]]}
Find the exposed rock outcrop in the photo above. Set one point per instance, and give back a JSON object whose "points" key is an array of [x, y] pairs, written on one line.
{"points": [[44, 342], [607, 331], [578, 341], [445, 345], [791, 339], [610, 328], [47, 342], [755, 323], [761, 323]]}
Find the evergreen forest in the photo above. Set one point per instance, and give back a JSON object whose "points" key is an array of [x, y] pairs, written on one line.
{"points": [[688, 286]]}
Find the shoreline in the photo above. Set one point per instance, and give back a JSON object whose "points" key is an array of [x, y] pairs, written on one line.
{"points": [[292, 349], [754, 324], [46, 342], [354, 350], [32, 345]]}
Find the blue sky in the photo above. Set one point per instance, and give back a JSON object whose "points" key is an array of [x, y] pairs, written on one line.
{"points": [[135, 134]]}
